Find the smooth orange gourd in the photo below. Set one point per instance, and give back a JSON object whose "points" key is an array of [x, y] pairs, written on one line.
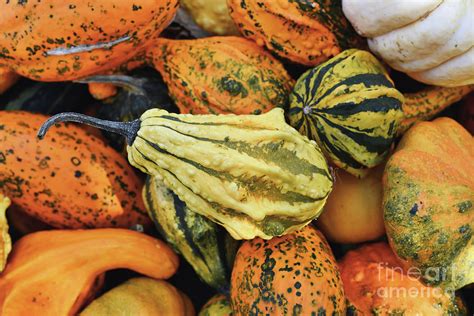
{"points": [[53, 272], [70, 180]]}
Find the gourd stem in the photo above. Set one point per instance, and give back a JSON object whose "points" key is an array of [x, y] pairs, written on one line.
{"points": [[127, 129], [127, 82]]}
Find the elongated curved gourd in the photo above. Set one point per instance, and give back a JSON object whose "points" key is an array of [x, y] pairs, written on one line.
{"points": [[212, 15], [295, 274], [5, 240], [52, 272], [58, 40], [431, 40], [375, 282], [221, 75], [425, 104], [139, 296], [306, 32], [350, 107], [71, 180], [429, 202], [253, 174], [205, 245]]}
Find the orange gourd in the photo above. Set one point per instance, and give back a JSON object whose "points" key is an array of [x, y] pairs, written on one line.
{"points": [[71, 180], [428, 202], [376, 283], [7, 78], [306, 32], [424, 105], [53, 272], [53, 40], [221, 75], [295, 274]]}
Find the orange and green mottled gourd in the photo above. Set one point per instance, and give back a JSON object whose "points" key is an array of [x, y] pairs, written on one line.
{"points": [[375, 283], [425, 104], [54, 40], [295, 274], [429, 202], [140, 296], [221, 75], [5, 240], [218, 305], [53, 272], [305, 32], [73, 180]]}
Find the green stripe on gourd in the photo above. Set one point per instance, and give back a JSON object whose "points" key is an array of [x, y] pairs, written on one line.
{"points": [[205, 245], [253, 174], [350, 107]]}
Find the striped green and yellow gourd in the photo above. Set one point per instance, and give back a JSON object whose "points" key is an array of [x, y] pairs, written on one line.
{"points": [[253, 174], [205, 245], [350, 107]]}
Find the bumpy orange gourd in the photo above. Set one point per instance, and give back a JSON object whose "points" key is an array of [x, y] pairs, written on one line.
{"points": [[306, 32], [71, 180], [375, 283], [55, 40], [429, 202], [221, 75], [295, 274], [52, 272]]}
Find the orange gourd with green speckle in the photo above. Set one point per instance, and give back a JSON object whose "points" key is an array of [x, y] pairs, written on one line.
{"points": [[55, 40], [306, 32], [429, 202], [73, 180], [295, 274], [221, 75]]}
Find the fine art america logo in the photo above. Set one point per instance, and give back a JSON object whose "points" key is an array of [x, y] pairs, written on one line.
{"points": [[391, 276]]}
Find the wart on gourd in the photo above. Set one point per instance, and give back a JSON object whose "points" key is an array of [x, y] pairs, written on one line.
{"points": [[270, 196]]}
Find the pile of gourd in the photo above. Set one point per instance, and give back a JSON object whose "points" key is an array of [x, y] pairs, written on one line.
{"points": [[290, 164]]}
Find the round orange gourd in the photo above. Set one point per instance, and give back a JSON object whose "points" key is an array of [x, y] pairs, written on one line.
{"points": [[376, 283], [7, 78], [55, 40], [429, 202], [295, 274], [353, 212], [53, 272]]}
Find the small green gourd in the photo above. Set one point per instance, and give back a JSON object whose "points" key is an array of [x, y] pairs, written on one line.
{"points": [[253, 174], [205, 245]]}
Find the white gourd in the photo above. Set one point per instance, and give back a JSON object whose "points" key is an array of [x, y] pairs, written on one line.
{"points": [[430, 40]]}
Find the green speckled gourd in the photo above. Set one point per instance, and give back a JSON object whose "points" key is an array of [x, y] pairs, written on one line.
{"points": [[350, 107], [253, 174], [204, 244]]}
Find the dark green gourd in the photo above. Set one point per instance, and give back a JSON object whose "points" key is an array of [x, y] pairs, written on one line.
{"points": [[253, 174], [350, 107], [207, 247]]}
